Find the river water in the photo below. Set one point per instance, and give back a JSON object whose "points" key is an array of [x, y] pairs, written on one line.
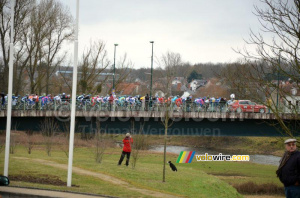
{"points": [[259, 159]]}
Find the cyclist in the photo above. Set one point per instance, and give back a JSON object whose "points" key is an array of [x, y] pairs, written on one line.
{"points": [[2, 99], [63, 97]]}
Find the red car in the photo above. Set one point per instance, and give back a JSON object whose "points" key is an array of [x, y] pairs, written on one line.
{"points": [[246, 106]]}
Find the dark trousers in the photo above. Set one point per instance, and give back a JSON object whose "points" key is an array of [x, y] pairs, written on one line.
{"points": [[292, 191], [122, 157]]}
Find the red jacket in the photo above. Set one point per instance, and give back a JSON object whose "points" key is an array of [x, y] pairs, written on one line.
{"points": [[111, 99], [127, 144]]}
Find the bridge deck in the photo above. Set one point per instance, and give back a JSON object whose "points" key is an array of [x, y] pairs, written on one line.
{"points": [[149, 114]]}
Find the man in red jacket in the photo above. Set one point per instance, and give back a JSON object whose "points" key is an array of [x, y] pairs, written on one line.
{"points": [[127, 141]]}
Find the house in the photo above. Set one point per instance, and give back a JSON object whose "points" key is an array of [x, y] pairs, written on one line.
{"points": [[178, 80], [287, 97], [128, 89], [195, 84]]}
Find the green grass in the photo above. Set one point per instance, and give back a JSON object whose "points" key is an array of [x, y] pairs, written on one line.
{"points": [[198, 179], [190, 181], [87, 184], [244, 171]]}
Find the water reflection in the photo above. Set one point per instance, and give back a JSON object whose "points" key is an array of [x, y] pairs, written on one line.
{"points": [[259, 159]]}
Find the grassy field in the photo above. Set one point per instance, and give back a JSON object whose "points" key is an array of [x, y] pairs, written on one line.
{"points": [[197, 179], [189, 181]]}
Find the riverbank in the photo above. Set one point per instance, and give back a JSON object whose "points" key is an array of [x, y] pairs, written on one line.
{"points": [[239, 145]]}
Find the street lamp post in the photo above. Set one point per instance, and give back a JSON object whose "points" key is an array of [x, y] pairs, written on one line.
{"points": [[151, 71], [278, 80], [114, 67]]}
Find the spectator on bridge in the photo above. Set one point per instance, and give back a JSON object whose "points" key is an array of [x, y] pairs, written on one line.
{"points": [[178, 103], [289, 169], [269, 103], [188, 103], [146, 102], [111, 101], [222, 104], [127, 141]]}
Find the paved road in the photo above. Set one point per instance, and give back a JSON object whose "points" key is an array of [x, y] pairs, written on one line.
{"points": [[16, 192]]}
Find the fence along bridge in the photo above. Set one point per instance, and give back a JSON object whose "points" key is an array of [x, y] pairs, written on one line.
{"points": [[184, 123]]}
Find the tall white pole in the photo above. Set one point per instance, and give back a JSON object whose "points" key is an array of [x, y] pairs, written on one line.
{"points": [[74, 89], [10, 84]]}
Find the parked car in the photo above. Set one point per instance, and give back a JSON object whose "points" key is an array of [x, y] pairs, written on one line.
{"points": [[246, 106]]}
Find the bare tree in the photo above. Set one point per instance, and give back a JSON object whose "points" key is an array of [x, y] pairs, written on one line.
{"points": [[94, 69], [2, 142], [50, 26], [41, 27], [275, 59], [60, 30], [168, 64], [30, 141], [167, 122], [64, 141], [94, 61], [48, 128], [22, 10], [123, 69], [139, 143], [14, 142], [100, 143]]}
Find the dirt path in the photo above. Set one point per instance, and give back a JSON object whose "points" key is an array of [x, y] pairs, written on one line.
{"points": [[263, 196], [101, 176]]}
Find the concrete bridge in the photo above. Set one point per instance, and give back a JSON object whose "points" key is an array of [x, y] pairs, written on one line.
{"points": [[150, 122], [148, 114]]}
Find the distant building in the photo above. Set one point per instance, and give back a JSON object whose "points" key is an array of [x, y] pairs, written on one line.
{"points": [[288, 97], [128, 89], [178, 80], [195, 84], [101, 76]]}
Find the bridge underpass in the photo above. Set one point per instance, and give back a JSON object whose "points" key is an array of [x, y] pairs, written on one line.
{"points": [[184, 123]]}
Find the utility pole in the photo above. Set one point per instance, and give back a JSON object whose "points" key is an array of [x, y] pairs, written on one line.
{"points": [[10, 84], [114, 66], [73, 109], [151, 71]]}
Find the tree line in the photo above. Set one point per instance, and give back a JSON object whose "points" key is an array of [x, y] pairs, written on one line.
{"points": [[42, 28]]}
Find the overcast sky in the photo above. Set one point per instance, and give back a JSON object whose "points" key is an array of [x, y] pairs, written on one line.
{"points": [[200, 30]]}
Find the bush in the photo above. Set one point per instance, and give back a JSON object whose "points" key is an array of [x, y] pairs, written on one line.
{"points": [[252, 188]]}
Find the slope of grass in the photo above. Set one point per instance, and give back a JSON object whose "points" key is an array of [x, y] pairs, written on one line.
{"points": [[198, 179], [189, 181]]}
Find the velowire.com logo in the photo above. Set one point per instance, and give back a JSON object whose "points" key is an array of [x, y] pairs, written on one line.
{"points": [[221, 157], [187, 157]]}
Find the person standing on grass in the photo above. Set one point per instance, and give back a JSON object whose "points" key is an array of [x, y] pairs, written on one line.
{"points": [[289, 169], [127, 141]]}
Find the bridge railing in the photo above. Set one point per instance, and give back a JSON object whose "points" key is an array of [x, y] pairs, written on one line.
{"points": [[89, 105]]}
